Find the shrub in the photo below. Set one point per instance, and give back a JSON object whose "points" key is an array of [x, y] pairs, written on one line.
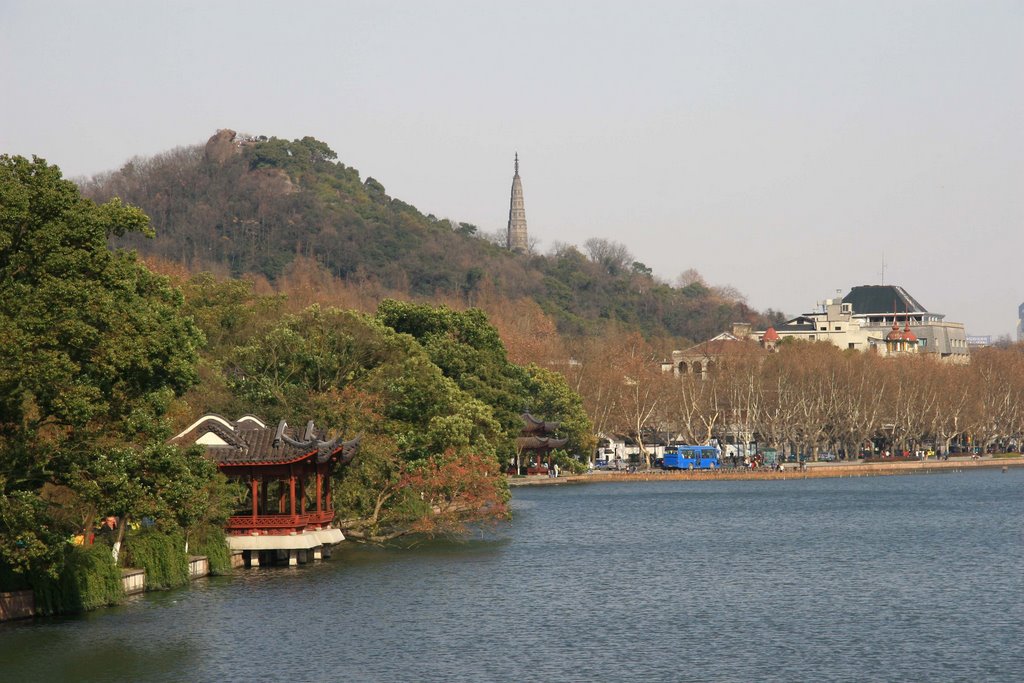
{"points": [[88, 579], [210, 541], [161, 554]]}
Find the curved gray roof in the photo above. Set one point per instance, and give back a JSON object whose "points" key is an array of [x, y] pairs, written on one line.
{"points": [[538, 443], [248, 443], [532, 425]]}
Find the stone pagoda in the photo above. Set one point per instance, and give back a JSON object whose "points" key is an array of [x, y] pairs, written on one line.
{"points": [[517, 215]]}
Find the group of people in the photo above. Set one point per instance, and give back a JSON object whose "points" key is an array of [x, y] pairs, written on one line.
{"points": [[749, 462], [106, 532], [757, 462]]}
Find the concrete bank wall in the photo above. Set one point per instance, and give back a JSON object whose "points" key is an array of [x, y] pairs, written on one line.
{"points": [[22, 604], [17, 605], [133, 581], [198, 566]]}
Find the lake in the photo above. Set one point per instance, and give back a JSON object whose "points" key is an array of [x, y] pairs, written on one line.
{"points": [[891, 578]]}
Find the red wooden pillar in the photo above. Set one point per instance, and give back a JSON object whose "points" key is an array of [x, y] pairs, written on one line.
{"points": [[327, 484], [291, 492], [302, 491], [319, 488], [255, 497]]}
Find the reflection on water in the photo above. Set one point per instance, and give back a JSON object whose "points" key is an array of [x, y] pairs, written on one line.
{"points": [[888, 578]]}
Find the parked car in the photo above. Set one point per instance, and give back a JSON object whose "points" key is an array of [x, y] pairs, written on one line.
{"points": [[827, 457]]}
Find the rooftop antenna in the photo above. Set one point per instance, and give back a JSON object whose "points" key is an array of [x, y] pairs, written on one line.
{"points": [[883, 269]]}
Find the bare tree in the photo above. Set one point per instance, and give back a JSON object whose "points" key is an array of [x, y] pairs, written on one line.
{"points": [[612, 256], [642, 389], [690, 276], [593, 374]]}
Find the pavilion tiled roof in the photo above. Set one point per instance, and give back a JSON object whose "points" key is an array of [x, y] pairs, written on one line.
{"points": [[534, 426], [536, 443], [248, 442], [536, 435]]}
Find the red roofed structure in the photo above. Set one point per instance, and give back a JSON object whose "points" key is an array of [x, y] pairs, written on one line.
{"points": [[287, 474], [536, 442]]}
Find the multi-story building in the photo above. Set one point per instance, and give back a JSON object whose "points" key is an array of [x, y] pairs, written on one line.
{"points": [[881, 318]]}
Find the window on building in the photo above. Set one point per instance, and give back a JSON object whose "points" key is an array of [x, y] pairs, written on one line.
{"points": [[839, 328], [824, 328], [811, 337], [851, 345]]}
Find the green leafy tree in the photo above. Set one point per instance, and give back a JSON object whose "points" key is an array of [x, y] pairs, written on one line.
{"points": [[553, 399], [469, 351], [311, 364], [93, 349], [353, 374]]}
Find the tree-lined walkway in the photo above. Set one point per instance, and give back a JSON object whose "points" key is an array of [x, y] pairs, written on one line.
{"points": [[811, 471]]}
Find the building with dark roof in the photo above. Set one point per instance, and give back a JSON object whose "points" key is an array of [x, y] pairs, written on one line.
{"points": [[882, 300], [870, 317]]}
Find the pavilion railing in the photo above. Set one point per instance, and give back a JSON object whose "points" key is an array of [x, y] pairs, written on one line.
{"points": [[279, 523]]}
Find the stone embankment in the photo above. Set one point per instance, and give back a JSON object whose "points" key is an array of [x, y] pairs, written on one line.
{"points": [[792, 471], [22, 604]]}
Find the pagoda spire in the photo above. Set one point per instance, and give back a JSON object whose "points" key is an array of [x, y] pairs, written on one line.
{"points": [[517, 240]]}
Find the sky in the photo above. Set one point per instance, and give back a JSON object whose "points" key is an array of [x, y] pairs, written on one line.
{"points": [[785, 149]]}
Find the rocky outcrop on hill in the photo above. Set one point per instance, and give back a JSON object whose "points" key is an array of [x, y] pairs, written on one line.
{"points": [[221, 146]]}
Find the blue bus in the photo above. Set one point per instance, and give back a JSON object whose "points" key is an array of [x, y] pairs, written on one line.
{"points": [[691, 458]]}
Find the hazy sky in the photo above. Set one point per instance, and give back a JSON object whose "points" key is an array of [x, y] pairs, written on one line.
{"points": [[779, 147]]}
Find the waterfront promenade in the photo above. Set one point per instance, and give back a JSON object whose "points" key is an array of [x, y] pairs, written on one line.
{"points": [[791, 471]]}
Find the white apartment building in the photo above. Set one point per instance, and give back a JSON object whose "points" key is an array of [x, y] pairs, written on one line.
{"points": [[878, 318]]}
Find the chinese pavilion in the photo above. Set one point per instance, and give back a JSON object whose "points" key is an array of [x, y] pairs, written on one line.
{"points": [[287, 475], [536, 442]]}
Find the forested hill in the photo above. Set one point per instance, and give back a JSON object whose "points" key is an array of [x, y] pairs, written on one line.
{"points": [[254, 205]]}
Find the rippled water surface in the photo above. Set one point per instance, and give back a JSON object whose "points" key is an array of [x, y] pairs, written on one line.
{"points": [[913, 578]]}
